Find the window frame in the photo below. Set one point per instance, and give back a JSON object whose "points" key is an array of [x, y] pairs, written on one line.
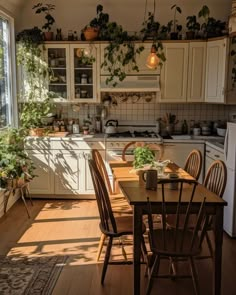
{"points": [[13, 110]]}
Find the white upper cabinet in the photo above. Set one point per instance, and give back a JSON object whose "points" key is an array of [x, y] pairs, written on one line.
{"points": [[75, 69], [196, 71], [174, 72], [216, 65]]}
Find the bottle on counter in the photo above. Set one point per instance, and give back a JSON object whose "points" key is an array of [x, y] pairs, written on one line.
{"points": [[184, 127]]}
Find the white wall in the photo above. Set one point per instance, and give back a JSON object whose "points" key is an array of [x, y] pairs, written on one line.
{"points": [[75, 14]]}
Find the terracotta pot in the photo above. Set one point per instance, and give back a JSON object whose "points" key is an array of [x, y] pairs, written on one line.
{"points": [[36, 131], [190, 35], [48, 36], [91, 34]]}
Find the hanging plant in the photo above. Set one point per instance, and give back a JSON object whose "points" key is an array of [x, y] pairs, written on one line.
{"points": [[120, 54]]}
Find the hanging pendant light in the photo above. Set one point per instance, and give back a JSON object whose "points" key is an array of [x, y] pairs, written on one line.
{"points": [[152, 60]]}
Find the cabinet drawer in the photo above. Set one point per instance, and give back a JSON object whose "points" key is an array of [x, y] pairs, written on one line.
{"points": [[37, 143], [71, 144], [214, 154]]}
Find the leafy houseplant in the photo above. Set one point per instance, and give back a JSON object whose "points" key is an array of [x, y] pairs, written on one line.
{"points": [[96, 25], [150, 28], [193, 26], [174, 33], [46, 9], [142, 156], [14, 162], [211, 27]]}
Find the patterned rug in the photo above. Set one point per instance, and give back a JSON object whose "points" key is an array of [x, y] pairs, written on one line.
{"points": [[29, 276]]}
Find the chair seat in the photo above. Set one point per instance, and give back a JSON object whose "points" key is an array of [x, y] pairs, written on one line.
{"points": [[171, 249], [124, 226], [120, 205]]}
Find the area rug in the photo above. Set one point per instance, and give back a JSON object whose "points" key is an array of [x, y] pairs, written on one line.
{"points": [[29, 276]]}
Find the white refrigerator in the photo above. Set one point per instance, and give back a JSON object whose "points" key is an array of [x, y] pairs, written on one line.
{"points": [[230, 190]]}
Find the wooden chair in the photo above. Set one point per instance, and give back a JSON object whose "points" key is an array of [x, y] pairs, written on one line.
{"points": [[118, 202], [215, 180], [178, 243], [193, 164], [111, 226], [157, 148]]}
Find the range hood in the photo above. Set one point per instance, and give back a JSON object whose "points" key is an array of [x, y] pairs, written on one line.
{"points": [[132, 83]]}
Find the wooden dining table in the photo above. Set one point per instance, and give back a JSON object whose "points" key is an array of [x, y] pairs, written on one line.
{"points": [[135, 192]]}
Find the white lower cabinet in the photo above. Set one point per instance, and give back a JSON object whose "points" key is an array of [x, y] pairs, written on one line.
{"points": [[43, 183], [212, 154], [62, 168]]}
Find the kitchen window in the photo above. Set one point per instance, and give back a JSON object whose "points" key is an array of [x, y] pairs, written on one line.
{"points": [[7, 71]]}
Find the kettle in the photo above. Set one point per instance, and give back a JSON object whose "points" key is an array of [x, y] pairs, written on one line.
{"points": [[110, 126]]}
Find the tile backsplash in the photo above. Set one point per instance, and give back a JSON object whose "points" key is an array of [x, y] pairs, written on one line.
{"points": [[140, 107]]}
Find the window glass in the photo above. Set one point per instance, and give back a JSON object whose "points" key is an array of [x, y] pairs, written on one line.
{"points": [[5, 73]]}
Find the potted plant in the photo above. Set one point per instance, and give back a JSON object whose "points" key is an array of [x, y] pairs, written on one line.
{"points": [[193, 27], [96, 25], [143, 155], [15, 165], [32, 115], [46, 9], [174, 33], [150, 28]]}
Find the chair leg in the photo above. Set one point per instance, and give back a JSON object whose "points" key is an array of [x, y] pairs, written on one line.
{"points": [[23, 199], [194, 275], [106, 261], [29, 195], [154, 268], [209, 244], [100, 246]]}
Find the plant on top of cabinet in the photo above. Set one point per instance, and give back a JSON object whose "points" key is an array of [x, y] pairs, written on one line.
{"points": [[49, 19], [211, 27], [193, 27], [233, 57], [96, 25], [150, 28], [174, 22]]}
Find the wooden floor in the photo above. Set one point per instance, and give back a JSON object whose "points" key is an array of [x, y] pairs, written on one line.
{"points": [[71, 228]]}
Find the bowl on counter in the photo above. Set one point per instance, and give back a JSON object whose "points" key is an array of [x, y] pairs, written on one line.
{"points": [[221, 131]]}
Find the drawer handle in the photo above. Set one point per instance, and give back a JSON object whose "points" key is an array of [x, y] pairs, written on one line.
{"points": [[207, 151], [217, 156]]}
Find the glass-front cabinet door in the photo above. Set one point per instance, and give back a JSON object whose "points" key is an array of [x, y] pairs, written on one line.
{"points": [[59, 80], [84, 72], [74, 72]]}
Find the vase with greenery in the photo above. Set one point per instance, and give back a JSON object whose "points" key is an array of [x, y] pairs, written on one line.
{"points": [[49, 19], [174, 22], [143, 155], [192, 26], [14, 162]]}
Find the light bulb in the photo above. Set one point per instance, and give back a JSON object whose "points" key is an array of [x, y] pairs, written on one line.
{"points": [[152, 59]]}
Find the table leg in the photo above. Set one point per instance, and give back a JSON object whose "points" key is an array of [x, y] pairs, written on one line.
{"points": [[137, 225], [218, 231]]}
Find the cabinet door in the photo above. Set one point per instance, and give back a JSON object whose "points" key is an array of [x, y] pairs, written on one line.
{"points": [[174, 73], [216, 71], [85, 179], [43, 183], [66, 169], [84, 65], [57, 56], [196, 72]]}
